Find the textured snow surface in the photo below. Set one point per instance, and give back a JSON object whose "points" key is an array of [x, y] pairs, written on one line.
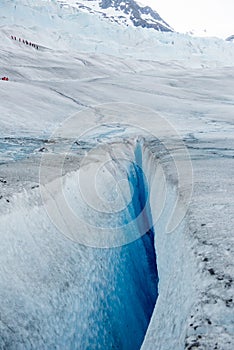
{"points": [[57, 293]]}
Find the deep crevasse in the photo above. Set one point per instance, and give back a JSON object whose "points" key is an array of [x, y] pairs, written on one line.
{"points": [[64, 294]]}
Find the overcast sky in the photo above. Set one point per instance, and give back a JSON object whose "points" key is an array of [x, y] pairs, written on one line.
{"points": [[214, 16]]}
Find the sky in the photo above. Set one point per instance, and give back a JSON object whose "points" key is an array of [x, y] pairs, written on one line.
{"points": [[203, 17]]}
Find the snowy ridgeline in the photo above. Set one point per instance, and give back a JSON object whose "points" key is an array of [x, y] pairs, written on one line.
{"points": [[127, 13], [66, 28]]}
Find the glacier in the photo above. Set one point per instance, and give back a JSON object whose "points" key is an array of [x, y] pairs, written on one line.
{"points": [[116, 185]]}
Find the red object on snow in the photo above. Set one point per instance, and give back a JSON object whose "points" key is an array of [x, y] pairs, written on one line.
{"points": [[5, 78]]}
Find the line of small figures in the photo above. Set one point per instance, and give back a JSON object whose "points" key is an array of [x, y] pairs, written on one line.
{"points": [[26, 42]]}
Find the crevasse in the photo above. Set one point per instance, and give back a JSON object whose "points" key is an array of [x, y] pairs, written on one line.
{"points": [[68, 295]]}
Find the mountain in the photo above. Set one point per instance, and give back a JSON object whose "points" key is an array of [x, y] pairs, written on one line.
{"points": [[230, 38], [128, 13]]}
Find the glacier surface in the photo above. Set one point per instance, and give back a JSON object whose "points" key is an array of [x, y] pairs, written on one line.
{"points": [[158, 108]]}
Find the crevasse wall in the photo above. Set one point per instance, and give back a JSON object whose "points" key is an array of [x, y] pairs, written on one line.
{"points": [[169, 323]]}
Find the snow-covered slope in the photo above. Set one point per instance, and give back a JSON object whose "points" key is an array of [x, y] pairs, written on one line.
{"points": [[115, 124], [122, 12], [53, 27]]}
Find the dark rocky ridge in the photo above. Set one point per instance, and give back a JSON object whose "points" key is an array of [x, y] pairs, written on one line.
{"points": [[127, 12], [130, 7], [230, 38]]}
